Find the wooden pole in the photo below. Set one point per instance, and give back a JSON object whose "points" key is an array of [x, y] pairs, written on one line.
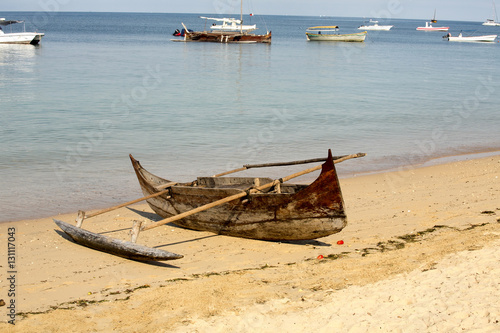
{"points": [[228, 172], [265, 165], [243, 194], [134, 232], [81, 214]]}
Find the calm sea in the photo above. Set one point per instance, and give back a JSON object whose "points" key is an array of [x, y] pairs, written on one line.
{"points": [[104, 85]]}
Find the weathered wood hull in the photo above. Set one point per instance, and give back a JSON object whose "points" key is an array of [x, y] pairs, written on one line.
{"points": [[115, 246], [299, 212], [355, 37], [226, 37]]}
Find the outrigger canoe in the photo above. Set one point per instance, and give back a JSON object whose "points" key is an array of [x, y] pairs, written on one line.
{"points": [[281, 212], [258, 208]]}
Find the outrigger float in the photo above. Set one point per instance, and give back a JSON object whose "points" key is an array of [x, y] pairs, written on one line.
{"points": [[247, 207]]}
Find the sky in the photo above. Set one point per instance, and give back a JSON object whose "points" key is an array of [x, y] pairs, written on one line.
{"points": [[461, 10]]}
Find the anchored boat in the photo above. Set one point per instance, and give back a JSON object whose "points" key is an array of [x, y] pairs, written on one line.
{"points": [[230, 31], [375, 26], [494, 21], [330, 33], [18, 37], [471, 39], [429, 27]]}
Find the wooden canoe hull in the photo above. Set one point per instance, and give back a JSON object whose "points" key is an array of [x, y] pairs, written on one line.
{"points": [[299, 212], [355, 37], [115, 246], [226, 37]]}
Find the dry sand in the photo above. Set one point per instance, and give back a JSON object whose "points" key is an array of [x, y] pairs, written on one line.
{"points": [[421, 253]]}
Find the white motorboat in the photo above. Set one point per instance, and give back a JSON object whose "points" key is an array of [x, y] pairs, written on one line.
{"points": [[18, 37], [374, 26], [429, 27], [229, 24], [474, 39]]}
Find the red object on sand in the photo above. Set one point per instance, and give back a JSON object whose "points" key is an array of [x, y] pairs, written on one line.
{"points": [[340, 242], [320, 256]]}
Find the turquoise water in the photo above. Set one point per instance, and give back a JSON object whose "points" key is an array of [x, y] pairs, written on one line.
{"points": [[104, 85]]}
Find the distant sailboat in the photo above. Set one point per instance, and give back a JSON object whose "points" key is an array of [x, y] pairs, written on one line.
{"points": [[434, 18], [429, 27], [493, 22]]}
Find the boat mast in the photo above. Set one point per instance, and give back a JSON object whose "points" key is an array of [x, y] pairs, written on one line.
{"points": [[495, 11], [241, 17]]}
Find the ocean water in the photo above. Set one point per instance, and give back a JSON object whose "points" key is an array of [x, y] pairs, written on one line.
{"points": [[101, 86]]}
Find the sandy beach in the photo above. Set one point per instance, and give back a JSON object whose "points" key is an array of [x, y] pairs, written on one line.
{"points": [[420, 253]]}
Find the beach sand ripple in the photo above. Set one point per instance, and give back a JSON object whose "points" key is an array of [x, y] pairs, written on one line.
{"points": [[420, 253], [459, 294]]}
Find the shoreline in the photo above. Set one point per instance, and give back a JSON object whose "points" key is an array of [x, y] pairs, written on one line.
{"points": [[342, 175], [432, 161], [397, 222]]}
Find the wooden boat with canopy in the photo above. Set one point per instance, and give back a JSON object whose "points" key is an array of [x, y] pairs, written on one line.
{"points": [[230, 31], [248, 207], [224, 37]]}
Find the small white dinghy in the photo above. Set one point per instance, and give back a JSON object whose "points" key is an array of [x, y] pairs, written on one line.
{"points": [[375, 26], [472, 39]]}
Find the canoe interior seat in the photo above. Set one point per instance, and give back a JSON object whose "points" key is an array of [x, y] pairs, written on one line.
{"points": [[232, 182], [244, 183]]}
